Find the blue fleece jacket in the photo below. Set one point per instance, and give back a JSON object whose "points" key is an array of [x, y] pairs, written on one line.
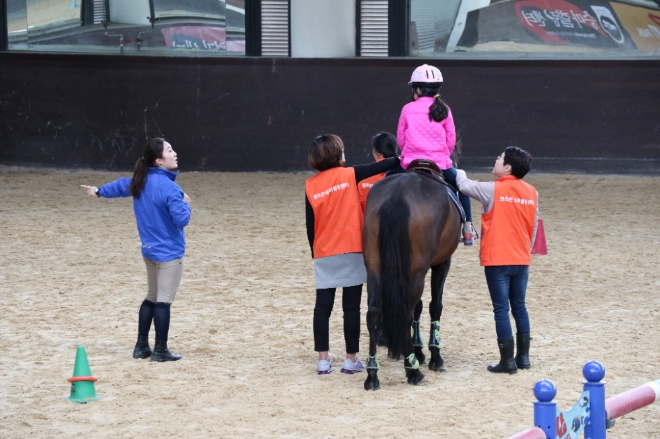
{"points": [[160, 212]]}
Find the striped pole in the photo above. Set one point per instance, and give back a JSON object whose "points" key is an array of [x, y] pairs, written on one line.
{"points": [[633, 399], [530, 433]]}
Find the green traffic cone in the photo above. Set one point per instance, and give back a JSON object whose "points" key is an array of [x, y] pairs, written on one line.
{"points": [[82, 382]]}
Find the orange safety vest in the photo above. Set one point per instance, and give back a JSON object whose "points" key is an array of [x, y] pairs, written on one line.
{"points": [[338, 218], [364, 186], [507, 229]]}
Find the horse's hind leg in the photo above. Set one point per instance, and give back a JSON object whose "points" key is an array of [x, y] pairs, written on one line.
{"points": [[438, 277], [414, 375], [418, 343], [374, 317]]}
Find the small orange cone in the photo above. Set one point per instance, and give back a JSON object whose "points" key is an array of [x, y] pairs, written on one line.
{"points": [[82, 382], [540, 247]]}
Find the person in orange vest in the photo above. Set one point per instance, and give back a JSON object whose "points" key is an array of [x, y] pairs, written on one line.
{"points": [[334, 221], [384, 146], [509, 219]]}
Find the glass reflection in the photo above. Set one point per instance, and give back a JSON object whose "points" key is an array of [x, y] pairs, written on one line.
{"points": [[17, 24], [186, 27], [557, 28]]}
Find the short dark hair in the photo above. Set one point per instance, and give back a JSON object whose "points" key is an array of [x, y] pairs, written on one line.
{"points": [[385, 144], [325, 152], [519, 159]]}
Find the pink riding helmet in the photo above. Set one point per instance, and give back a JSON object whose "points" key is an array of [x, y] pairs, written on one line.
{"points": [[426, 74]]}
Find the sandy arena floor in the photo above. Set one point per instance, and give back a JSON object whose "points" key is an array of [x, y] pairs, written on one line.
{"points": [[72, 274]]}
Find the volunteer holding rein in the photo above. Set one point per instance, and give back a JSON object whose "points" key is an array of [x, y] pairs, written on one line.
{"points": [[334, 220]]}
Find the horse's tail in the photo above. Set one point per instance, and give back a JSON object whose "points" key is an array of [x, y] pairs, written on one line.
{"points": [[395, 272]]}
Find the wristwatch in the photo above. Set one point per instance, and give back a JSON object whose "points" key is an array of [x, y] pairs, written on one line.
{"points": [[97, 193]]}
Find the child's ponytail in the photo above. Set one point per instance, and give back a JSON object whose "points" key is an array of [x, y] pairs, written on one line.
{"points": [[438, 110]]}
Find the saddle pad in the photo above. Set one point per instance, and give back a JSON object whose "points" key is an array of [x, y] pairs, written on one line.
{"points": [[457, 203]]}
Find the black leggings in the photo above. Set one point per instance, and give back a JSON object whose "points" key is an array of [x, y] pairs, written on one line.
{"points": [[325, 300]]}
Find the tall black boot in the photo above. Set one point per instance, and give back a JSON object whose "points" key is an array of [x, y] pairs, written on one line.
{"points": [[161, 353], [142, 349], [507, 364], [522, 351], [162, 326]]}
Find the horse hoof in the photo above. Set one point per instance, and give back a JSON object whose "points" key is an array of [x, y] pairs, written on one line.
{"points": [[416, 378], [437, 367], [371, 385]]}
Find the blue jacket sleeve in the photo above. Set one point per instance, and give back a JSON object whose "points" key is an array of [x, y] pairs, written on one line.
{"points": [[116, 189], [179, 209]]}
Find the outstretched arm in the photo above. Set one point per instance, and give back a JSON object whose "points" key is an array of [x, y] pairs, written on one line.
{"points": [[480, 191], [115, 189], [366, 171], [92, 191]]}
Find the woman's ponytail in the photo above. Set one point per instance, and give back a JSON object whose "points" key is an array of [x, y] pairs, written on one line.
{"points": [[438, 110], [152, 150]]}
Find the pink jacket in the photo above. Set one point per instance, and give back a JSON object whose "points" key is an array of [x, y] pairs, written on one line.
{"points": [[421, 138]]}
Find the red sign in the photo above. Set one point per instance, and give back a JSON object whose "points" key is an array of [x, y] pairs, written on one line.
{"points": [[557, 21], [195, 37]]}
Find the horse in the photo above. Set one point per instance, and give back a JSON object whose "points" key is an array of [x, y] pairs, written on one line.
{"points": [[411, 225]]}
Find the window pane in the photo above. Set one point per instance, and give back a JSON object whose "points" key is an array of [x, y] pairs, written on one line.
{"points": [[537, 28], [178, 27], [17, 24]]}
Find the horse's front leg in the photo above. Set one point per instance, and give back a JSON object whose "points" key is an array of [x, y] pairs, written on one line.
{"points": [[438, 277], [418, 343], [374, 317]]}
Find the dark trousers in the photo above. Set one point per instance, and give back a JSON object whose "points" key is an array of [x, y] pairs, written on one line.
{"points": [[508, 285], [325, 300], [450, 177]]}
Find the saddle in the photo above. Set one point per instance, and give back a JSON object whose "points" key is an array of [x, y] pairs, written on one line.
{"points": [[428, 168]]}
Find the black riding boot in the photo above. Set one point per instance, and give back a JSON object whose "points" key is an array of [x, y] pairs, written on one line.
{"points": [[162, 326], [506, 365], [142, 349], [161, 353], [522, 351]]}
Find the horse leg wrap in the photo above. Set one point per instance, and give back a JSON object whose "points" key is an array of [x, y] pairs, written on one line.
{"points": [[435, 341], [417, 338], [372, 363], [411, 362]]}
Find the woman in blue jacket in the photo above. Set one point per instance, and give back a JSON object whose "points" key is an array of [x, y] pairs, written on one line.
{"points": [[162, 210]]}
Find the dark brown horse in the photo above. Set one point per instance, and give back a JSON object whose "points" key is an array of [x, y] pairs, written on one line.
{"points": [[410, 225]]}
